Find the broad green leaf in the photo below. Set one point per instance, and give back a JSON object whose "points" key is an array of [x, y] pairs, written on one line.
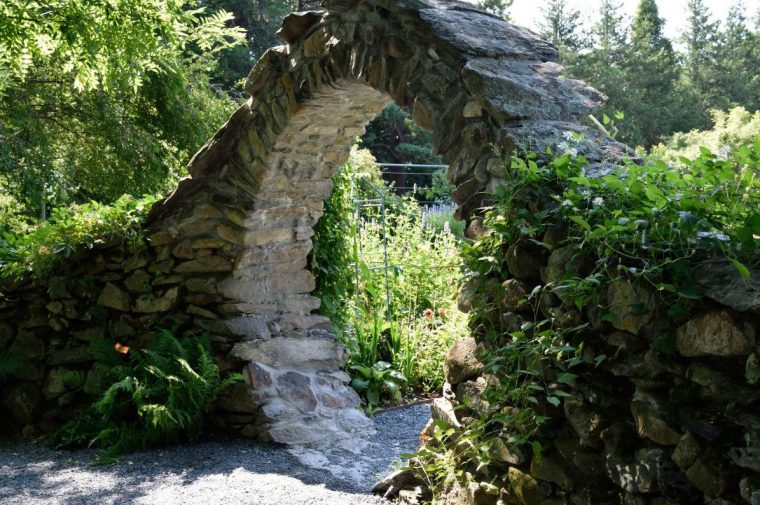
{"points": [[581, 222], [566, 378], [741, 268]]}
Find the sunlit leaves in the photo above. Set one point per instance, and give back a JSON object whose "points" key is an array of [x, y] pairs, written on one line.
{"points": [[110, 44]]}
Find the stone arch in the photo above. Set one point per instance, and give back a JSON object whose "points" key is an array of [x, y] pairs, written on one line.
{"points": [[241, 223]]}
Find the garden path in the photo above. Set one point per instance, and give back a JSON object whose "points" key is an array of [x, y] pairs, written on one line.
{"points": [[213, 472]]}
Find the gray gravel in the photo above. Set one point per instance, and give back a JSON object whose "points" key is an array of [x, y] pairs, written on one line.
{"points": [[214, 472]]}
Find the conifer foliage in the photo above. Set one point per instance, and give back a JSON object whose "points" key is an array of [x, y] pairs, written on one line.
{"points": [[660, 87]]}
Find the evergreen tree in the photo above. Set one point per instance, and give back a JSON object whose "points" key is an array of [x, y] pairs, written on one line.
{"points": [[700, 38], [260, 19], [94, 104], [496, 7], [602, 64], [560, 25], [737, 82], [696, 90], [609, 32], [650, 73]]}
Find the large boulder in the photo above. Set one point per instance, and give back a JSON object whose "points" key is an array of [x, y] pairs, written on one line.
{"points": [[461, 361]]}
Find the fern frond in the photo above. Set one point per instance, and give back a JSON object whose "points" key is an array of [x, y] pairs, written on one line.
{"points": [[161, 395]]}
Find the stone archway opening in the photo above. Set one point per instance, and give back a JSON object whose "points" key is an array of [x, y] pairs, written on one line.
{"points": [[242, 222]]}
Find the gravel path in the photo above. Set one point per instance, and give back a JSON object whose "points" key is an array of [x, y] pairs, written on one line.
{"points": [[213, 472]]}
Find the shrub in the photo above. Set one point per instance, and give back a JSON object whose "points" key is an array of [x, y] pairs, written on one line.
{"points": [[649, 224], [157, 395], [440, 217], [423, 274], [71, 230], [732, 130]]}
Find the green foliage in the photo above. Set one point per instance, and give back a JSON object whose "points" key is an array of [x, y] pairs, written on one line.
{"points": [[735, 77], [443, 221], [424, 343], [651, 74], [376, 380], [652, 219], [333, 248], [105, 99], [700, 38], [260, 21], [366, 337], [394, 137], [10, 363], [642, 221], [440, 190], [645, 223], [660, 90], [496, 7], [104, 45], [559, 24], [157, 395], [72, 230], [732, 130], [12, 219], [443, 458], [421, 261]]}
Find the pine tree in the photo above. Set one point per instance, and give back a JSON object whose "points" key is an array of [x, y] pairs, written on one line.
{"points": [[696, 88], [610, 32], [496, 7], [560, 25], [650, 73], [602, 64], [736, 78], [700, 38]]}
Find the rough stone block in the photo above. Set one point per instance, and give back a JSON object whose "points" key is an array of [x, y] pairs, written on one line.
{"points": [[295, 388], [461, 362], [305, 354], [715, 333], [205, 264], [114, 298]]}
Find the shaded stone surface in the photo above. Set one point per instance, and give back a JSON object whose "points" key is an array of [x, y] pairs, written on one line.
{"points": [[296, 388], [715, 333], [723, 283]]}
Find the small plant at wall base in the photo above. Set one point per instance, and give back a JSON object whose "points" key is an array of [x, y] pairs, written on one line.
{"points": [[376, 380], [158, 395]]}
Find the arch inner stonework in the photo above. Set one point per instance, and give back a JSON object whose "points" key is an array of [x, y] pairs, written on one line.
{"points": [[242, 221]]}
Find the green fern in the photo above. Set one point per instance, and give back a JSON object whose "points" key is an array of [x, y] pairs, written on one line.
{"points": [[160, 395]]}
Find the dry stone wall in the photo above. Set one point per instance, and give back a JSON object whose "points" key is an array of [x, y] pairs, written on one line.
{"points": [[671, 415], [228, 250]]}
